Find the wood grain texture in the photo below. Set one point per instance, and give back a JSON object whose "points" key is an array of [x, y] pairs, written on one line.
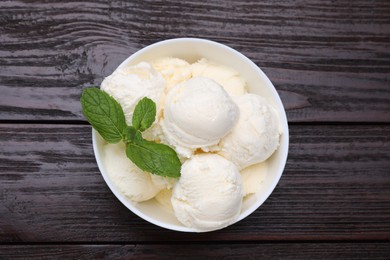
{"points": [[205, 251], [336, 185], [329, 60]]}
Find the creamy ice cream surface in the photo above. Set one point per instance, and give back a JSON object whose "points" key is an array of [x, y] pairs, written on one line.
{"points": [[174, 70], [131, 181], [253, 177], [256, 135], [197, 114], [208, 194], [227, 77], [162, 182], [131, 83], [164, 199]]}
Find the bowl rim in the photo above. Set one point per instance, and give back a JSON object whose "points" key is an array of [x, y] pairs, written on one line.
{"points": [[283, 143]]}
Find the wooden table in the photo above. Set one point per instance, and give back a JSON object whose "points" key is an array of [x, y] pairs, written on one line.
{"points": [[329, 60]]}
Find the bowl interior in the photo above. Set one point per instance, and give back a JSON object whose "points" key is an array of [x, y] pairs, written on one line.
{"points": [[191, 50]]}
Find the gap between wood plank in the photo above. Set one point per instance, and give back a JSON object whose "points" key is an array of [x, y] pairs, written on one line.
{"points": [[81, 122], [221, 242]]}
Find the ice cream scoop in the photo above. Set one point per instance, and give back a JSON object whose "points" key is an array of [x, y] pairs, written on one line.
{"points": [[128, 84], [256, 135], [227, 77], [131, 181], [208, 195], [198, 113]]}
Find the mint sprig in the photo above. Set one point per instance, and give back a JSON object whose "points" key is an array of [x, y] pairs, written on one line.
{"points": [[106, 115]]}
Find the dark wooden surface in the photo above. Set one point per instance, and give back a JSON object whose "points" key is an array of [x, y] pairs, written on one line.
{"points": [[329, 60], [375, 250]]}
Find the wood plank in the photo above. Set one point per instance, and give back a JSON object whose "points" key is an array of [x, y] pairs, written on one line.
{"points": [[330, 61], [373, 250], [336, 185]]}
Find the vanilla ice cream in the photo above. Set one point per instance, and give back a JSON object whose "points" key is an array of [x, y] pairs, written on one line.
{"points": [[155, 132], [256, 135], [131, 181], [253, 177], [208, 194], [129, 84], [174, 70], [197, 114], [164, 199], [227, 77], [162, 182]]}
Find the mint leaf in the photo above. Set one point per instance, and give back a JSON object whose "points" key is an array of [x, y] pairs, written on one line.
{"points": [[104, 113], [153, 157], [131, 133], [144, 114]]}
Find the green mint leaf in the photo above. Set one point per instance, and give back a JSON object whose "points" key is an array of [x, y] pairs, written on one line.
{"points": [[153, 157], [144, 114], [104, 113], [131, 133]]}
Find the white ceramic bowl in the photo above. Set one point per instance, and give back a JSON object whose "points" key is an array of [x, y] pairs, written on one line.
{"points": [[191, 50]]}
